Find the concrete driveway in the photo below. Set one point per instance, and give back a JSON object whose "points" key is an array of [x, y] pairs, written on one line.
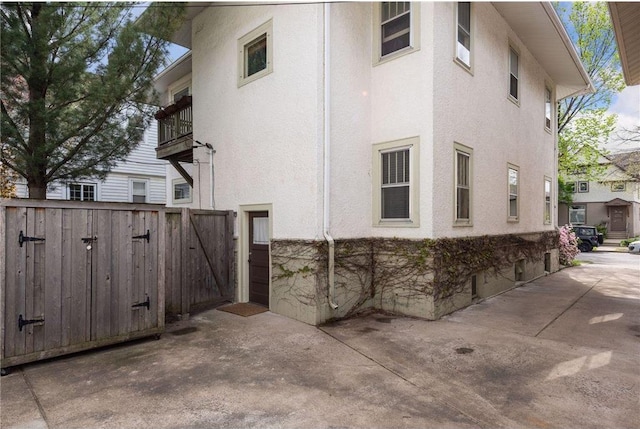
{"points": [[562, 351]]}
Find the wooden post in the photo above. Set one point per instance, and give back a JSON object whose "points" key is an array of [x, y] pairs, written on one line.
{"points": [[185, 274]]}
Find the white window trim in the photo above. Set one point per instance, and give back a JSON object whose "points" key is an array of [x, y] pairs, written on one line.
{"points": [[266, 28], [413, 144], [513, 99], [546, 221], [146, 188], [456, 58], [177, 86], [414, 35], [553, 109], [469, 152], [515, 218], [583, 182], [180, 181], [96, 188]]}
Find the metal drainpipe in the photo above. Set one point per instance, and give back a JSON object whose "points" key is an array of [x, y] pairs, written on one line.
{"points": [[211, 177], [327, 157]]}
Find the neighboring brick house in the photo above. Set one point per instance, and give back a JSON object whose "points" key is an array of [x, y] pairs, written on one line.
{"points": [[612, 201], [356, 141]]}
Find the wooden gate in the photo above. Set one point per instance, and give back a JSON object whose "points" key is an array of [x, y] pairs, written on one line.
{"points": [[78, 275], [200, 259]]}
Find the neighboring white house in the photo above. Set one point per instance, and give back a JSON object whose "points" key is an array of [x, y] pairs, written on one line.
{"points": [[138, 179], [612, 201], [348, 136]]}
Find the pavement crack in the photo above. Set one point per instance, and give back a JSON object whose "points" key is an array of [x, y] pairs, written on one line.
{"points": [[41, 410], [498, 422], [567, 309]]}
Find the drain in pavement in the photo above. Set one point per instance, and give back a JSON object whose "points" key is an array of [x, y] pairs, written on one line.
{"points": [[463, 350]]}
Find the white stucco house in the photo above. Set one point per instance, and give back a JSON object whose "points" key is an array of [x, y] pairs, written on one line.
{"points": [[612, 201], [391, 156], [138, 179]]}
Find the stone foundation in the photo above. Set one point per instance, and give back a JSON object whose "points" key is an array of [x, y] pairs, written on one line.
{"points": [[407, 277]]}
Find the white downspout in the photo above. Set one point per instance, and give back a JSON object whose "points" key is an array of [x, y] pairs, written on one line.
{"points": [[327, 157], [212, 203]]}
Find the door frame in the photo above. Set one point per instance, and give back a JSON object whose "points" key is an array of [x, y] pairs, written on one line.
{"points": [[242, 294]]}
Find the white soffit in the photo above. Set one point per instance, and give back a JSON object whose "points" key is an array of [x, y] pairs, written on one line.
{"points": [[539, 28], [626, 24]]}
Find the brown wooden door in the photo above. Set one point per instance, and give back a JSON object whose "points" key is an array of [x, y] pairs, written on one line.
{"points": [[259, 258], [618, 218]]}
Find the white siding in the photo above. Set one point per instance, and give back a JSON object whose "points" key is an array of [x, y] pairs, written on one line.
{"points": [[140, 164]]}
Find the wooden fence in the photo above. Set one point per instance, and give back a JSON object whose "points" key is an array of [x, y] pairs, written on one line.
{"points": [[77, 275], [199, 257]]}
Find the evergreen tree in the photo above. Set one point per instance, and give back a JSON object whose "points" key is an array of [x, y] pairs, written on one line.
{"points": [[74, 82]]}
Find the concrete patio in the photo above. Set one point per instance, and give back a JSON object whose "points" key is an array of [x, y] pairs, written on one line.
{"points": [[562, 351]]}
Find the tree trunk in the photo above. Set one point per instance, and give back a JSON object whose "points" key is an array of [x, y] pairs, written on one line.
{"points": [[37, 191]]}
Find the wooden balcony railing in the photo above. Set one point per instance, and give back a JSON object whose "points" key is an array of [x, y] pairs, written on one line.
{"points": [[175, 121]]}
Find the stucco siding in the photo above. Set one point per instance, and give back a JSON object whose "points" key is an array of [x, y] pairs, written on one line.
{"points": [[473, 108], [266, 134]]}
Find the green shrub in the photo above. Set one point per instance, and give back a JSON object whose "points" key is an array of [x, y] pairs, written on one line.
{"points": [[626, 242], [602, 229]]}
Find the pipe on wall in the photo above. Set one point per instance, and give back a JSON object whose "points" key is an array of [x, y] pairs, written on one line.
{"points": [[327, 157]]}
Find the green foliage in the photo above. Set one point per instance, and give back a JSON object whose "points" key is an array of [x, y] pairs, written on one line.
{"points": [[583, 124], [565, 191], [628, 241], [74, 81]]}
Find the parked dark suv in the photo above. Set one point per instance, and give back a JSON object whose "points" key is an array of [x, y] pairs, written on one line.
{"points": [[588, 237]]}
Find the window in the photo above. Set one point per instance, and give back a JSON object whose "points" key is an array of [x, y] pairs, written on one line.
{"points": [[547, 200], [397, 29], [583, 186], [548, 111], [463, 184], [513, 73], [463, 45], [255, 54], [572, 187], [182, 93], [513, 192], [618, 187], [577, 214], [138, 189], [181, 191], [395, 173], [82, 192]]}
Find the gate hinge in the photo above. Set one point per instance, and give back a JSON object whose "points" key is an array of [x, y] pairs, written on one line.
{"points": [[22, 238], [23, 322], [146, 303], [146, 236]]}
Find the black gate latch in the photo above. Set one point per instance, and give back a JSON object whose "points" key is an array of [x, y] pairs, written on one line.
{"points": [[23, 322], [146, 236], [22, 238], [146, 303]]}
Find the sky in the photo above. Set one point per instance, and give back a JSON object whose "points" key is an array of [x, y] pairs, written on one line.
{"points": [[627, 106]]}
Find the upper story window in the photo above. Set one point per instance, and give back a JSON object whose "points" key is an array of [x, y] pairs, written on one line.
{"points": [[463, 50], [82, 192], [514, 60], [179, 94], [548, 111], [396, 29], [395, 187], [255, 54], [514, 188]]}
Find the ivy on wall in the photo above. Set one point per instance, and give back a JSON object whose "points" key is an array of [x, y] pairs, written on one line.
{"points": [[374, 267]]}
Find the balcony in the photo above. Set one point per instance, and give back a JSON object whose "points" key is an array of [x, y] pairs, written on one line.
{"points": [[175, 129]]}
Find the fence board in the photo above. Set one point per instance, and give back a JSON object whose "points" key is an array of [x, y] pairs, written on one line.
{"points": [[39, 264], [101, 253], [53, 275]]}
